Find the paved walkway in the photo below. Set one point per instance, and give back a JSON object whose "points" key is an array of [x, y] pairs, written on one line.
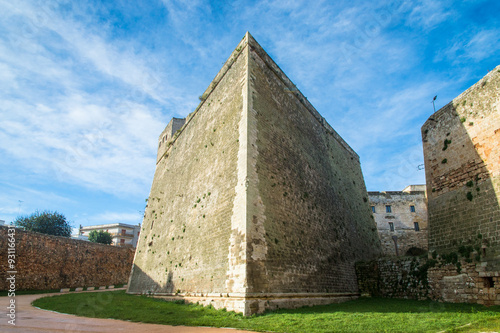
{"points": [[30, 319]]}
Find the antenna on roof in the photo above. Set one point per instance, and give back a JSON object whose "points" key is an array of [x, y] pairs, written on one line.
{"points": [[433, 103]]}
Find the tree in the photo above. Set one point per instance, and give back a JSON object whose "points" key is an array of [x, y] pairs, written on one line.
{"points": [[46, 222], [100, 236]]}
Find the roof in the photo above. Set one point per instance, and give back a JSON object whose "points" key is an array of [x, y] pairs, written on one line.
{"points": [[111, 225]]}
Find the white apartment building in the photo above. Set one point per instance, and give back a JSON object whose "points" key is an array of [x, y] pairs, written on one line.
{"points": [[122, 234]]}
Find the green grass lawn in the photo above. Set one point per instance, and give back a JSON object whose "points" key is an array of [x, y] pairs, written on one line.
{"points": [[362, 315]]}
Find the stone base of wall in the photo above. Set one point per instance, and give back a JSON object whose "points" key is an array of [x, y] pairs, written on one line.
{"points": [[474, 284], [258, 303], [420, 278]]}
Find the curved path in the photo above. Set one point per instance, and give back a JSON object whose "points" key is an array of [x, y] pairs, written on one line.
{"points": [[30, 319]]}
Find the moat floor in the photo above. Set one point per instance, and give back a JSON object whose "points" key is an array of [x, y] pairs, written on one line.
{"points": [[31, 319]]}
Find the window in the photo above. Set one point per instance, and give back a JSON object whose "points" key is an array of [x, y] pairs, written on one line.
{"points": [[388, 209], [417, 228], [122, 241], [373, 209], [412, 209], [391, 226], [124, 231], [488, 282]]}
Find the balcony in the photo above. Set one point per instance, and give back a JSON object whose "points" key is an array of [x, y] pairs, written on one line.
{"points": [[122, 234]]}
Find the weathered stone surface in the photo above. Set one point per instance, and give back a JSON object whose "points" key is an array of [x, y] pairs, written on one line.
{"points": [[420, 278], [462, 154], [462, 162], [403, 220], [257, 202], [51, 262]]}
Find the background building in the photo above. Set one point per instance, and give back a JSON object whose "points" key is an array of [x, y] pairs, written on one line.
{"points": [[123, 234], [401, 218]]}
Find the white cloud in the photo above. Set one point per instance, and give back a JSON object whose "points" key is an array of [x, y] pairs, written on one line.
{"points": [[399, 169], [116, 217], [429, 13], [80, 106], [103, 139], [471, 46]]}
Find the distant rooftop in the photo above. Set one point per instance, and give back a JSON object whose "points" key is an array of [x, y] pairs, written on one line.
{"points": [[414, 188], [407, 189], [111, 225]]}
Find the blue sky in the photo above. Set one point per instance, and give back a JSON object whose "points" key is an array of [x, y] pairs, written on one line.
{"points": [[86, 87]]}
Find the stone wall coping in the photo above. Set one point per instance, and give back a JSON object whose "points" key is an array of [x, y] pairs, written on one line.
{"points": [[383, 193], [248, 40], [65, 239], [297, 93], [469, 91]]}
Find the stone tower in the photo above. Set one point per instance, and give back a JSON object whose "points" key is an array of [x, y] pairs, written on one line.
{"points": [[256, 203], [462, 169]]}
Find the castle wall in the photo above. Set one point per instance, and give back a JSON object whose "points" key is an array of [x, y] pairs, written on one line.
{"points": [[185, 242], [463, 281], [402, 219], [462, 162], [46, 262], [257, 203], [309, 218]]}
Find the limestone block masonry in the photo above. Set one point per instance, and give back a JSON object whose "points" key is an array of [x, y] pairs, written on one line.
{"points": [[405, 220], [461, 145], [464, 281], [256, 203], [52, 262]]}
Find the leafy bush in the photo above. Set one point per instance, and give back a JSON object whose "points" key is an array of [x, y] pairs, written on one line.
{"points": [[46, 222], [100, 236]]}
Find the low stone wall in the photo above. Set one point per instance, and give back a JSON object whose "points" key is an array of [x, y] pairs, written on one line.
{"points": [[421, 278], [51, 262]]}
